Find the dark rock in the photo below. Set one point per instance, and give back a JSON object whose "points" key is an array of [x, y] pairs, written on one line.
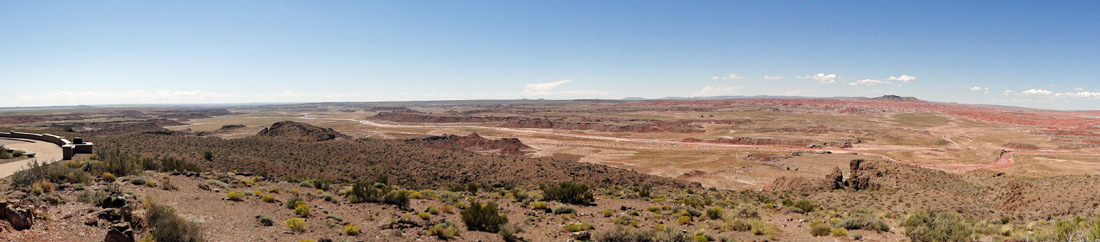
{"points": [[204, 187], [119, 232], [110, 214], [114, 202], [835, 180]]}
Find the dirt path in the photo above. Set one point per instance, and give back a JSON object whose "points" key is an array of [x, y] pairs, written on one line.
{"points": [[45, 153]]}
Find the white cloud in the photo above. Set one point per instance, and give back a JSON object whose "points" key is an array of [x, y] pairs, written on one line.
{"points": [[1036, 92], [822, 78], [731, 76], [1079, 89], [1047, 94], [978, 89], [903, 78], [1007, 92], [774, 77], [714, 91], [542, 88], [868, 82], [547, 89]]}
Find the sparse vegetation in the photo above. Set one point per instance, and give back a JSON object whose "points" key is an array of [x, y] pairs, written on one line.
{"points": [[567, 192], [167, 226], [925, 225], [483, 217], [296, 224]]}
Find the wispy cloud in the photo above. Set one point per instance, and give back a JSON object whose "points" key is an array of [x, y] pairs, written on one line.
{"points": [[1048, 94], [822, 78], [774, 77], [731, 76], [548, 89], [714, 91], [868, 82], [902, 78]]}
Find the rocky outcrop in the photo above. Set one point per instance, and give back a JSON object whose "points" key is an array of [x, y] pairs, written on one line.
{"points": [[19, 215], [835, 180], [475, 143], [298, 131]]}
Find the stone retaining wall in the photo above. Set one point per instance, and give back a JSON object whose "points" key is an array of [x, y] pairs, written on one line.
{"points": [[68, 148]]}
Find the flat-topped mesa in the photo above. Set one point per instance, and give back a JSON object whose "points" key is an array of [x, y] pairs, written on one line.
{"points": [[301, 132], [474, 143], [896, 98]]}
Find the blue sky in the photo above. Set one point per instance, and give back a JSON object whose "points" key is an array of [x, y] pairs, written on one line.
{"points": [[996, 52]]}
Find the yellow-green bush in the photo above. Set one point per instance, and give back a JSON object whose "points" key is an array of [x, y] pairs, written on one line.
{"points": [[107, 176], [235, 195], [268, 198], [424, 215], [839, 232], [683, 220], [538, 205], [351, 230], [296, 225]]}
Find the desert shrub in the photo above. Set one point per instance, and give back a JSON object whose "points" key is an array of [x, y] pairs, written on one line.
{"points": [[483, 217], [173, 164], [746, 211], [4, 153], [305, 184], [334, 217], [444, 230], [619, 235], [715, 213], [292, 202], [700, 238], [398, 197], [447, 209], [839, 232], [51, 172], [432, 210], [424, 215], [234, 195], [138, 181], [683, 220], [42, 186], [217, 183], [818, 228], [520, 196], [93, 197], [673, 236], [803, 206], [448, 197], [538, 205], [266, 220], [167, 185], [208, 155], [622, 219], [867, 222], [607, 213], [564, 209], [925, 225], [107, 176], [301, 209], [508, 232], [296, 225], [567, 192], [167, 226], [653, 209], [351, 230], [577, 227], [328, 197], [321, 184], [267, 198], [367, 192]]}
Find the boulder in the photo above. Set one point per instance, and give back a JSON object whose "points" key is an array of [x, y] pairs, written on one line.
{"points": [[119, 232]]}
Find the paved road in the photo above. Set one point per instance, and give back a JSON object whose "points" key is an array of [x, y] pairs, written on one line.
{"points": [[45, 152]]}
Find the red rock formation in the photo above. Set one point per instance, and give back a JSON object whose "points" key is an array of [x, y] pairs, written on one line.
{"points": [[301, 132]]}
